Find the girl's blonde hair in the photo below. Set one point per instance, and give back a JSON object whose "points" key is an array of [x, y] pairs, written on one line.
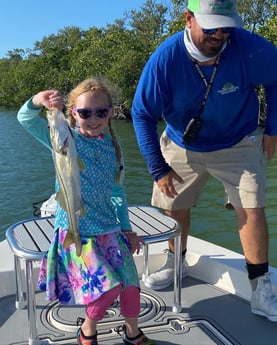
{"points": [[95, 84]]}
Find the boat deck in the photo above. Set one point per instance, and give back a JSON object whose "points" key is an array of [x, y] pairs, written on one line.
{"points": [[209, 316], [214, 298]]}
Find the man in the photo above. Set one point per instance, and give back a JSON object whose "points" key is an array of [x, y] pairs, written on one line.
{"points": [[202, 80]]}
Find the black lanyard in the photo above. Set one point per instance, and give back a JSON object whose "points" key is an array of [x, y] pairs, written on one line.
{"points": [[207, 84]]}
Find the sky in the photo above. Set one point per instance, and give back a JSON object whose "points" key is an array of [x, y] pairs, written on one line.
{"points": [[23, 22]]}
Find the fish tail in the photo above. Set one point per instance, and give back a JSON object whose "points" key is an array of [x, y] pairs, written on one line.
{"points": [[78, 248], [70, 239]]}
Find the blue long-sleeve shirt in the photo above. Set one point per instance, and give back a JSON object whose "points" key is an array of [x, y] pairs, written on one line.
{"points": [[104, 199], [170, 86]]}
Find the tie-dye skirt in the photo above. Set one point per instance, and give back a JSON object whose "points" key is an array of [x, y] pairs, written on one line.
{"points": [[106, 262]]}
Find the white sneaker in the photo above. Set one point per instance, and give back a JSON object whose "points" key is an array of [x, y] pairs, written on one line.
{"points": [[165, 275], [263, 301]]}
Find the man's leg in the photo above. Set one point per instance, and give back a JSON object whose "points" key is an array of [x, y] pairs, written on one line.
{"points": [[254, 240], [183, 218], [253, 234], [190, 166], [165, 275]]}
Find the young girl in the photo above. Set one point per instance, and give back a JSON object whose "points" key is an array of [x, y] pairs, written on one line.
{"points": [[106, 268]]}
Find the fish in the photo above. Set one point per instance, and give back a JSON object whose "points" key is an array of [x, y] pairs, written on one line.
{"points": [[67, 167]]}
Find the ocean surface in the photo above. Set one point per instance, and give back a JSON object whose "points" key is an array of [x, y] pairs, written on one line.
{"points": [[27, 179]]}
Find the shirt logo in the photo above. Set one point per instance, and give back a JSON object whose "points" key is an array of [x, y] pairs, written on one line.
{"points": [[228, 88]]}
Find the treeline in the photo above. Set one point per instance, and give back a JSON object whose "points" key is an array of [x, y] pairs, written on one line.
{"points": [[117, 52]]}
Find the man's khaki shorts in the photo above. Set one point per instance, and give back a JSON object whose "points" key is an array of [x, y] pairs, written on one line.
{"points": [[240, 168]]}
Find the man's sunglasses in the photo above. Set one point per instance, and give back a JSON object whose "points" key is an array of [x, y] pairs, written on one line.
{"points": [[213, 31], [86, 113]]}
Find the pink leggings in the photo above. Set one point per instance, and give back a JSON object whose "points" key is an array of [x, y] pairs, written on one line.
{"points": [[129, 303]]}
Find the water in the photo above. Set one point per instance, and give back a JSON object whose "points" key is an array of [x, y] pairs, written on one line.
{"points": [[27, 177]]}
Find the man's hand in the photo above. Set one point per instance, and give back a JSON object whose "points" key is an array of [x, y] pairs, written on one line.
{"points": [[166, 184]]}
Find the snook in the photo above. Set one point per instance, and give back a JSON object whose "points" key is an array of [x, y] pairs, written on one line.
{"points": [[67, 166]]}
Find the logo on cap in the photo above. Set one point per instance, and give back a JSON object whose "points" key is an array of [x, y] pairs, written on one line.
{"points": [[220, 6]]}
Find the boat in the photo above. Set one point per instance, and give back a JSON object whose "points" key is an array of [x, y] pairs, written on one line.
{"points": [[214, 298]]}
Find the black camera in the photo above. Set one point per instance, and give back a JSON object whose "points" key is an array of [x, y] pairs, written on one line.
{"points": [[192, 129]]}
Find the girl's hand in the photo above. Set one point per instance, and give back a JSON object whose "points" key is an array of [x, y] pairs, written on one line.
{"points": [[134, 240], [49, 99]]}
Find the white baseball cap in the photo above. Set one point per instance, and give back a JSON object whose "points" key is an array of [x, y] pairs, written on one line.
{"points": [[212, 14]]}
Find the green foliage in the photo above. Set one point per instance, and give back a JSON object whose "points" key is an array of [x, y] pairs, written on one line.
{"points": [[269, 31], [255, 14], [118, 52], [261, 18]]}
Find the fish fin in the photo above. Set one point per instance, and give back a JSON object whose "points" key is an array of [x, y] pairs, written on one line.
{"points": [[81, 163], [82, 210], [60, 198]]}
